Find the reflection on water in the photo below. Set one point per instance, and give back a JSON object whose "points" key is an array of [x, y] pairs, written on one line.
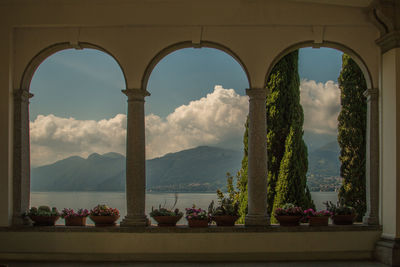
{"points": [[88, 200]]}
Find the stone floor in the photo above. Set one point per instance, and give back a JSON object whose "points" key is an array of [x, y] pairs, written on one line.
{"points": [[204, 264]]}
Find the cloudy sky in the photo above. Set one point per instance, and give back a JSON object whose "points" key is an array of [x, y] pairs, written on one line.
{"points": [[198, 98]]}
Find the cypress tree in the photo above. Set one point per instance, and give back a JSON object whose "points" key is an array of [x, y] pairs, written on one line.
{"points": [[283, 76], [288, 175], [352, 134], [283, 102], [242, 177]]}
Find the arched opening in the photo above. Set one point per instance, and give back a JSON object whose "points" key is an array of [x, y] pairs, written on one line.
{"points": [[195, 121], [322, 102], [77, 129]]}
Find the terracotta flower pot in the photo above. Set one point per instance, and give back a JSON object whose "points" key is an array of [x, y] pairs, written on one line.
{"points": [[318, 221], [225, 220], [44, 220], [197, 223], [75, 221], [343, 219], [167, 220], [101, 221], [285, 220]]}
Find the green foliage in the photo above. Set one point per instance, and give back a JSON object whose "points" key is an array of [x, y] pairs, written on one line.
{"points": [[287, 152], [283, 78], [227, 205], [340, 208], [242, 177], [42, 211], [291, 185], [289, 209], [352, 135], [162, 211]]}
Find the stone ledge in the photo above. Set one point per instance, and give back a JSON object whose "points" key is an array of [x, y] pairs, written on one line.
{"points": [[337, 244], [185, 229]]}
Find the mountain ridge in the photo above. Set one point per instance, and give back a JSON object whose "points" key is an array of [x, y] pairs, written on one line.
{"points": [[200, 169], [197, 169]]}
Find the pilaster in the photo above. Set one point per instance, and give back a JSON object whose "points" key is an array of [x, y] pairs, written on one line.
{"points": [[257, 159], [21, 160], [135, 159], [372, 158], [388, 248]]}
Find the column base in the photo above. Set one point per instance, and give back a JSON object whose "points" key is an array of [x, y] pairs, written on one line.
{"points": [[369, 220], [257, 220], [133, 221], [18, 220], [387, 251]]}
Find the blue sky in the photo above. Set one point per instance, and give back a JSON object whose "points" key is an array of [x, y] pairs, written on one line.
{"points": [[81, 107], [86, 84]]}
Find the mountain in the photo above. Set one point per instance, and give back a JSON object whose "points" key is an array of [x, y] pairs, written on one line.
{"points": [[324, 168], [324, 161], [315, 141], [79, 174], [199, 169]]}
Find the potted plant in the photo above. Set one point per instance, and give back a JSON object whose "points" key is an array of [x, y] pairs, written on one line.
{"points": [[226, 213], [317, 218], [197, 217], [166, 217], [73, 218], [43, 215], [102, 215], [341, 213], [289, 215]]}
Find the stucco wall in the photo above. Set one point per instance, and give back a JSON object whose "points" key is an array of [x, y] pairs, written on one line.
{"points": [[196, 246], [390, 160]]}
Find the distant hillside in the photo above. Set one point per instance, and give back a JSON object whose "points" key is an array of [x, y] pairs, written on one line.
{"points": [[203, 168], [198, 169], [96, 173], [324, 168], [324, 161]]}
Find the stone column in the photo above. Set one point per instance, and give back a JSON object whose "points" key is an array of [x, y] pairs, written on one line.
{"points": [[135, 159], [21, 157], [257, 159], [372, 159]]}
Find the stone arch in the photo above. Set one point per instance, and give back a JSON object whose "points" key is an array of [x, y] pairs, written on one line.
{"points": [[372, 131], [354, 55], [188, 44], [21, 143], [50, 50]]}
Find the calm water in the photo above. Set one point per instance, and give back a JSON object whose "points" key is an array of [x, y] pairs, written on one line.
{"points": [[88, 200]]}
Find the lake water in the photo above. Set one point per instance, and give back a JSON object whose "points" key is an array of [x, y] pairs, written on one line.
{"points": [[88, 200]]}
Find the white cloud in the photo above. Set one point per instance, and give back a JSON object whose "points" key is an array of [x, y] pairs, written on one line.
{"points": [[321, 105], [215, 119], [54, 138]]}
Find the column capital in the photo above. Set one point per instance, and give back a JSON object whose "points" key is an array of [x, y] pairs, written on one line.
{"points": [[135, 94], [371, 94], [260, 93], [389, 41], [22, 94]]}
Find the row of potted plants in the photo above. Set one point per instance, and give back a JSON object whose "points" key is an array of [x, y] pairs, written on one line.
{"points": [[225, 214], [290, 215], [101, 215]]}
